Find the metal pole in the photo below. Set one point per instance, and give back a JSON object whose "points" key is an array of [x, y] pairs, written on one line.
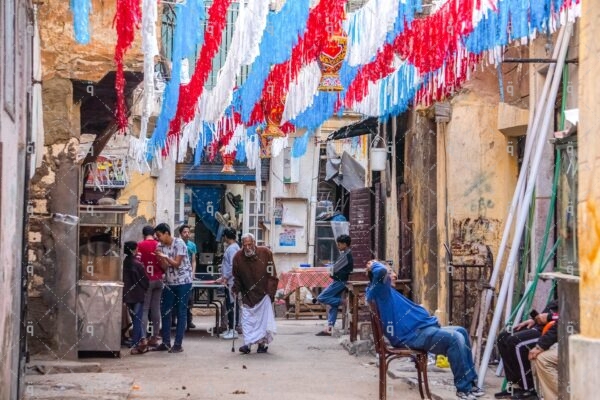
{"points": [[522, 216], [532, 132], [234, 323]]}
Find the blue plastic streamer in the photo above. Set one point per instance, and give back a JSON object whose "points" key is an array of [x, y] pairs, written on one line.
{"points": [[394, 102], [189, 17], [301, 143], [281, 34], [81, 20], [526, 18]]}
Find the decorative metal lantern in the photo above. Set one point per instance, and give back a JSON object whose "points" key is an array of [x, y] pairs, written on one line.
{"points": [[274, 115], [330, 62], [228, 160]]}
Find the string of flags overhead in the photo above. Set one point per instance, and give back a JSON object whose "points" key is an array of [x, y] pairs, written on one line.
{"points": [[307, 61]]}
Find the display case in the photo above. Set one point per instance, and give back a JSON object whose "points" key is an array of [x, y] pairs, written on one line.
{"points": [[100, 275]]}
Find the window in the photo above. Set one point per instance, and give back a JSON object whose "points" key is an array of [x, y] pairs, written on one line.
{"points": [[168, 29], [255, 211], [566, 208]]}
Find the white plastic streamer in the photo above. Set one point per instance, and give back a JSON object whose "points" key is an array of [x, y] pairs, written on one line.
{"points": [[368, 28], [249, 28], [239, 135], [252, 151], [150, 50], [302, 91], [137, 153]]}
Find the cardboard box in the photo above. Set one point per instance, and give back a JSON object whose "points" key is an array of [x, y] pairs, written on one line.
{"points": [[101, 268]]}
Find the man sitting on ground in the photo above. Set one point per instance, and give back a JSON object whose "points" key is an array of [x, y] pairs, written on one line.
{"points": [[409, 325], [514, 346]]}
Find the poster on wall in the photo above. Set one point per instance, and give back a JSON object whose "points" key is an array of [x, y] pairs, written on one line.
{"points": [[290, 222]]}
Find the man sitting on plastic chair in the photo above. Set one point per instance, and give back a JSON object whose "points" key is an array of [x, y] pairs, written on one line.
{"points": [[406, 324]]}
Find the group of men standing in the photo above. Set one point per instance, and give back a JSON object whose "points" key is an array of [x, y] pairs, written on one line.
{"points": [[169, 264]]}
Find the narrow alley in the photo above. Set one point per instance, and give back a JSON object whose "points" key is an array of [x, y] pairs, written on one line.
{"points": [[298, 366]]}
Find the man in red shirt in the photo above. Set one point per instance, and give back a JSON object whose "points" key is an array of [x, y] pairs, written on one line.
{"points": [[146, 249]]}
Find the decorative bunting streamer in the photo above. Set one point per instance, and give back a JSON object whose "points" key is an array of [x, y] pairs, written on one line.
{"points": [[81, 19], [150, 49], [280, 36], [126, 20], [189, 94], [323, 19], [300, 144], [302, 91], [377, 17], [249, 28], [189, 16], [437, 53]]}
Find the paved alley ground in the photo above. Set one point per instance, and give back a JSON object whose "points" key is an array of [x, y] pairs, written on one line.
{"points": [[298, 366]]}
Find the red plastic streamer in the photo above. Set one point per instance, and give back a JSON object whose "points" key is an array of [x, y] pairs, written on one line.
{"points": [[126, 21], [427, 44], [325, 18], [190, 93]]}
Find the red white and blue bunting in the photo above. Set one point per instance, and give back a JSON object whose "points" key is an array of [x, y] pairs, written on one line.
{"points": [[393, 60]]}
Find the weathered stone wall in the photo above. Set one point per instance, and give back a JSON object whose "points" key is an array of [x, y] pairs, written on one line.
{"points": [[55, 187], [63, 57]]}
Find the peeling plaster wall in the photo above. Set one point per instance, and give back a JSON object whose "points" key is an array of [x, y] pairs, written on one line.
{"points": [[480, 181], [140, 195]]}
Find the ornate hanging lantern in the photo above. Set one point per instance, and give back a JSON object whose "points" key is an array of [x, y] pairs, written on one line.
{"points": [[227, 161], [265, 143], [274, 115], [330, 61]]}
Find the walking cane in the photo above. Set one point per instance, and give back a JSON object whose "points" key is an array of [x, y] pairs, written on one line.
{"points": [[234, 323]]}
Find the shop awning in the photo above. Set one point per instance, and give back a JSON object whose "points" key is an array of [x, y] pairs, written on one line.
{"points": [[363, 127]]}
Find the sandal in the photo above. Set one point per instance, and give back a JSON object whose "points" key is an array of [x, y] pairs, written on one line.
{"points": [[323, 333], [138, 350]]}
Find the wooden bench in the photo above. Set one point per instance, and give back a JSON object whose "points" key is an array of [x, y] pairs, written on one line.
{"points": [[387, 353]]}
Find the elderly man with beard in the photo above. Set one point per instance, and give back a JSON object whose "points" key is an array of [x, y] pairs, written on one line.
{"points": [[252, 266]]}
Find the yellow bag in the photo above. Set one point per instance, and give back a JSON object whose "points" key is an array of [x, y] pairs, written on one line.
{"points": [[442, 361]]}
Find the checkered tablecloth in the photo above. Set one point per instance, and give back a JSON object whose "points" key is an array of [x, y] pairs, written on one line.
{"points": [[310, 278]]}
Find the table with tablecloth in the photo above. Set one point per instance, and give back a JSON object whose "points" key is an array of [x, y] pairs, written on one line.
{"points": [[310, 278]]}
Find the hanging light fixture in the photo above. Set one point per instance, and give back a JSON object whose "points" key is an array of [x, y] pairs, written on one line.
{"points": [[228, 159], [330, 61]]}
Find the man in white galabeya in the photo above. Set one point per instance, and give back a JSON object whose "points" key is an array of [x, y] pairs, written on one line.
{"points": [[252, 267]]}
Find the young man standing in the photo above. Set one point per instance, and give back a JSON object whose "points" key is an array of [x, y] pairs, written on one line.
{"points": [[146, 251], [227, 279], [172, 255], [332, 295], [184, 232]]}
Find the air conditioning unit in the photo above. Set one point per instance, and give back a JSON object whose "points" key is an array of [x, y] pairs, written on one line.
{"points": [[291, 167]]}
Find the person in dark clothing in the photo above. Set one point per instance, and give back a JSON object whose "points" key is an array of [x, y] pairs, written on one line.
{"points": [[544, 359], [514, 346], [135, 284], [332, 295]]}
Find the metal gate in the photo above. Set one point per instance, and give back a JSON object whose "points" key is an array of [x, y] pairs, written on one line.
{"points": [[467, 281]]}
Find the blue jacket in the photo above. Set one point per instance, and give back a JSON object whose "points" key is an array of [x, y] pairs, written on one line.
{"points": [[400, 317]]}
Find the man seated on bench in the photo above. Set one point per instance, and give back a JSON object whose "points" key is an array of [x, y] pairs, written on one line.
{"points": [[408, 325]]}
